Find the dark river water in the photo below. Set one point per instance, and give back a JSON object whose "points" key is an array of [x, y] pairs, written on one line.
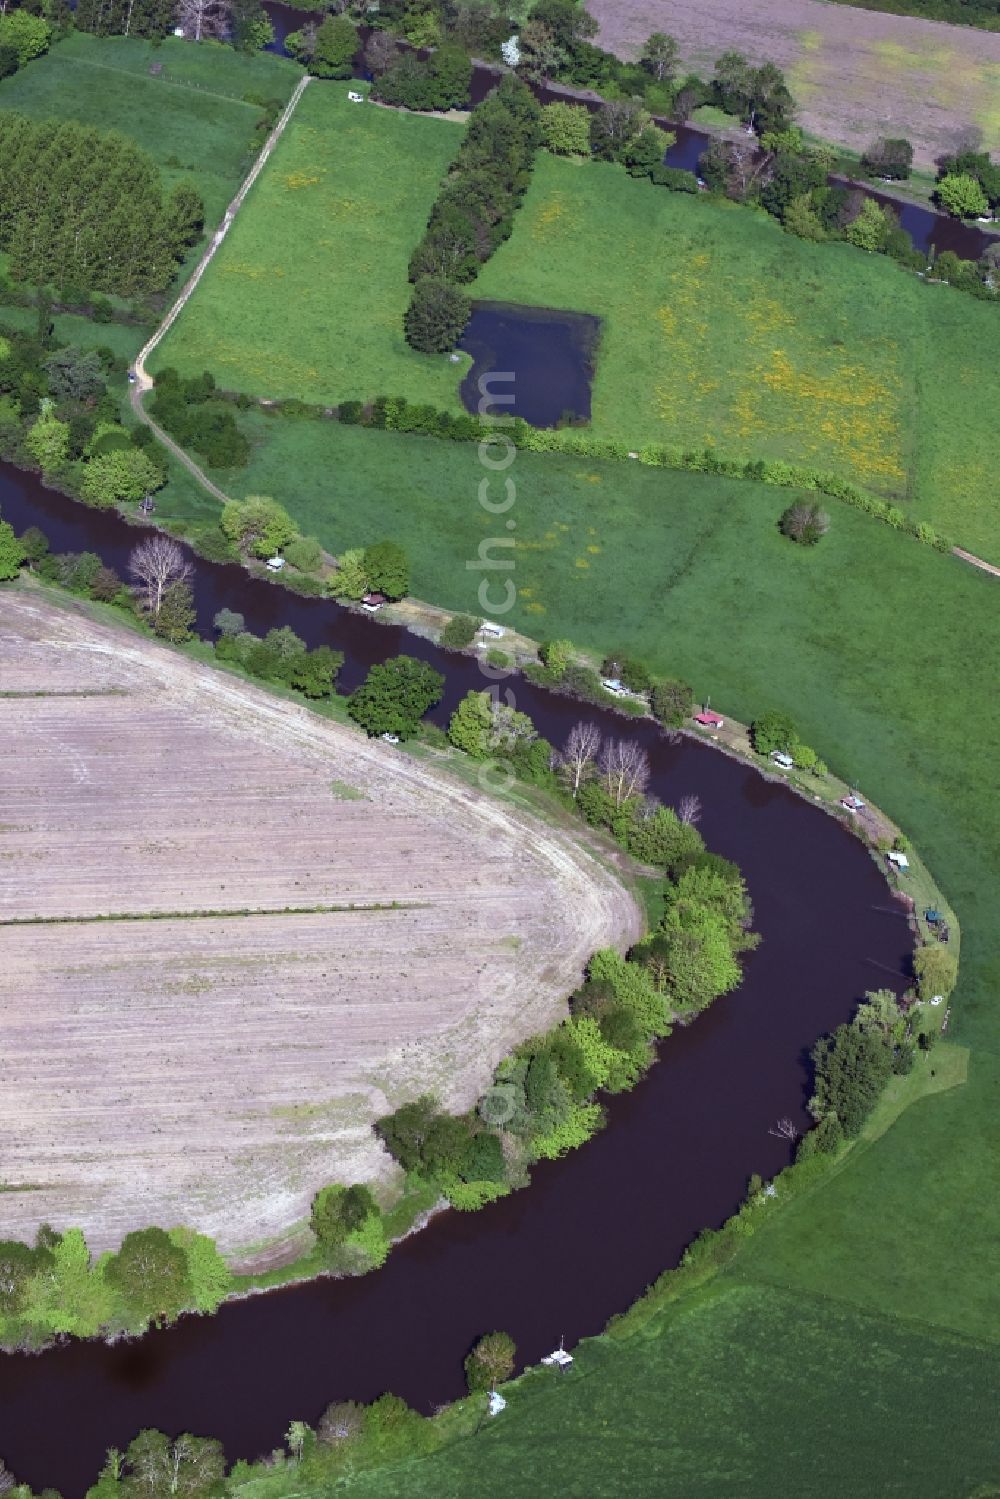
{"points": [[924, 226], [593, 1230], [551, 352]]}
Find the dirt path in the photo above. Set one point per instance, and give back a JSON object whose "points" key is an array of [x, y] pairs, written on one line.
{"points": [[143, 380]]}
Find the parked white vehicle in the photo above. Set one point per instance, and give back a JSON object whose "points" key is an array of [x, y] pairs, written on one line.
{"points": [[780, 758], [275, 564], [496, 631], [355, 97]]}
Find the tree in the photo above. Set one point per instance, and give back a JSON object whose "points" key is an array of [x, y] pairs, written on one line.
{"points": [[624, 767], [351, 580], [672, 702], [344, 1420], [879, 1014], [773, 731], [176, 614], [936, 971], [470, 725], [614, 126], [962, 196], [800, 218], [490, 1362], [541, 54], [156, 564], [804, 523], [12, 552], [113, 478], [229, 622], [211, 1278], [380, 53], [889, 156], [339, 1211], [250, 26], [436, 317], [388, 569], [566, 129], [576, 762], [158, 1466], [689, 809], [646, 151], [660, 56], [759, 96], [74, 374], [395, 695], [258, 524], [48, 442], [336, 44], [204, 19], [870, 230], [852, 1067], [28, 34], [698, 954], [150, 1274], [17, 1263], [315, 673], [185, 219], [460, 631]]}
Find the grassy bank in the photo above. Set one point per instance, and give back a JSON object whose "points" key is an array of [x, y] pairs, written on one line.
{"points": [[306, 297], [190, 107]]}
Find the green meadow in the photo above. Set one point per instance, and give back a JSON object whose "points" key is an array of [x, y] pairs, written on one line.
{"points": [[307, 295], [193, 108]]}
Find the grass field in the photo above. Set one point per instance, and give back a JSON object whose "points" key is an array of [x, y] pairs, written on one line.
{"points": [[193, 117], [747, 1392], [307, 295], [719, 328]]}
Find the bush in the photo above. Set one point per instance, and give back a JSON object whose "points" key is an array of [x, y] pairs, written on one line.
{"points": [[672, 702], [304, 553], [675, 178], [460, 631], [804, 523], [566, 129]]}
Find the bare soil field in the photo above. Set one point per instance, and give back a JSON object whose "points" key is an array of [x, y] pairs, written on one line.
{"points": [[855, 74], [216, 1069]]}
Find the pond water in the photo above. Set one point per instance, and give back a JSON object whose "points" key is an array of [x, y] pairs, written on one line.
{"points": [[593, 1230], [551, 353]]}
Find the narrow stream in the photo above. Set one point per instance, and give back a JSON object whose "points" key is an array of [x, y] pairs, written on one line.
{"points": [[593, 1230]]}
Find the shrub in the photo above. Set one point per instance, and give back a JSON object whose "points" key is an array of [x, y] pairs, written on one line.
{"points": [[305, 553], [804, 523], [566, 129], [460, 631], [672, 702]]}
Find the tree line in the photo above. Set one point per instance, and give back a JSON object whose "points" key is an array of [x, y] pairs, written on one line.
{"points": [[86, 206], [473, 213]]}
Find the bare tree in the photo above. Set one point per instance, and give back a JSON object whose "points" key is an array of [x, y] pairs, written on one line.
{"points": [[380, 53], [204, 18], [7, 1479], [340, 1422], [577, 758], [155, 564], [689, 809], [624, 766], [784, 1129]]}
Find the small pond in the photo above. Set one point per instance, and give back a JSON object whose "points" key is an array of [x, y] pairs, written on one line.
{"points": [[550, 353]]}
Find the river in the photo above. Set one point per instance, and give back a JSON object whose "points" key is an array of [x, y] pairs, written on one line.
{"points": [[593, 1230]]}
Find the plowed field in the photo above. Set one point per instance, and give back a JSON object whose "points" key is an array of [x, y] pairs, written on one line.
{"points": [[215, 1065]]}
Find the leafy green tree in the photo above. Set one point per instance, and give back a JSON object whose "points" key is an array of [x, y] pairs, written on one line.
{"points": [[660, 56], [17, 1263], [48, 442], [490, 1362], [161, 1467], [258, 524], [185, 219], [541, 54], [351, 580], [315, 673], [436, 317], [566, 129], [395, 696], [852, 1067], [870, 230], [28, 34], [304, 553], [773, 731], [615, 126], [699, 956], [150, 1275], [659, 837], [672, 702], [471, 725], [113, 478], [75, 374], [67, 1295], [339, 1211], [800, 218], [229, 622], [336, 44], [879, 1013], [936, 970], [460, 631], [250, 26], [556, 656], [12, 552], [387, 569], [210, 1276], [962, 196], [176, 615], [404, 1133], [646, 151]]}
